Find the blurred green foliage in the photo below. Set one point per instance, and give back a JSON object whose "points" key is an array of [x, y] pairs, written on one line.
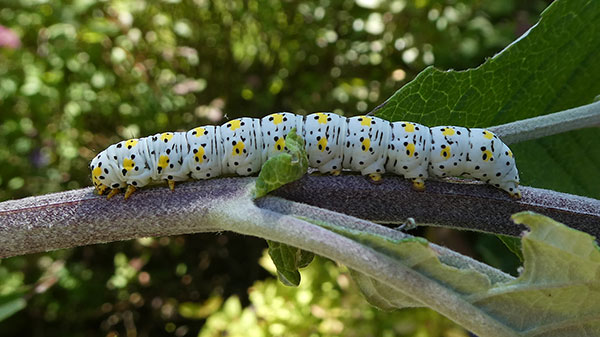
{"points": [[327, 303], [91, 72]]}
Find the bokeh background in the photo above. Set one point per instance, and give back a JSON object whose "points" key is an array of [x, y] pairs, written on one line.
{"points": [[79, 75]]}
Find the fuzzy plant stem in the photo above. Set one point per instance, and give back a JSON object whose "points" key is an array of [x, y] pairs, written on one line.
{"points": [[77, 218], [285, 228], [541, 126], [446, 256], [537, 127]]}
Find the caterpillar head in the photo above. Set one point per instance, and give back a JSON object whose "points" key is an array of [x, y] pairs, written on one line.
{"points": [[512, 187], [509, 181], [99, 173]]}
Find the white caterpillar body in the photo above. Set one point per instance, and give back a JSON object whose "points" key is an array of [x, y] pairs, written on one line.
{"points": [[369, 145]]}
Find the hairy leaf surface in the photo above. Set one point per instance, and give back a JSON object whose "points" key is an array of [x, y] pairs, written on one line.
{"points": [[557, 293]]}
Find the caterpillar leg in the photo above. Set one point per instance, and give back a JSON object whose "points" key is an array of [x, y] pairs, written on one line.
{"points": [[101, 189], [409, 224], [171, 184], [129, 191], [418, 184], [375, 178], [512, 187], [336, 173], [112, 193], [514, 193]]}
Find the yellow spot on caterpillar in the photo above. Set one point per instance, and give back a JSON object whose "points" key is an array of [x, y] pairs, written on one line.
{"points": [[163, 161], [238, 148], [131, 143], [366, 144], [128, 164], [199, 131], [322, 143], [487, 154], [322, 118], [409, 127], [448, 132], [280, 144], [487, 134], [510, 153], [410, 149], [166, 136], [200, 154], [235, 124], [366, 121], [277, 118], [96, 172], [445, 153]]}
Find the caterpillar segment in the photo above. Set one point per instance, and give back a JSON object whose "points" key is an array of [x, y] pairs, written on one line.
{"points": [[365, 144], [365, 148], [274, 128], [408, 152], [323, 135]]}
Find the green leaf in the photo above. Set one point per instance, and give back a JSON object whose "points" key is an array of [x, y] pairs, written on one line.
{"points": [[283, 168], [513, 244], [416, 253], [11, 304], [552, 68], [288, 260], [553, 251], [557, 294], [381, 295]]}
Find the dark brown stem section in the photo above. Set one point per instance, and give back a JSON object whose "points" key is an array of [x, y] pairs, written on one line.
{"points": [[471, 206]]}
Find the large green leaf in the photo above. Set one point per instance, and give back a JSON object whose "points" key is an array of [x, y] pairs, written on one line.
{"points": [[553, 67], [557, 293]]}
